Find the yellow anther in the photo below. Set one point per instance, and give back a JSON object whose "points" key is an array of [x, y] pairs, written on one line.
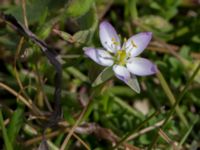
{"points": [[116, 43], [113, 40], [133, 44]]}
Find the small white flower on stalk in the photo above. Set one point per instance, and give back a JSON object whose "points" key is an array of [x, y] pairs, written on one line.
{"points": [[122, 57]]}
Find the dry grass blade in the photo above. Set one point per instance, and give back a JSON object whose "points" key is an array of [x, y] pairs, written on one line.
{"points": [[145, 130], [167, 139], [20, 97], [24, 13], [73, 129]]}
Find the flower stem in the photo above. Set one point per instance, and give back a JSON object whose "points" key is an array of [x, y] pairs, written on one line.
{"points": [[171, 97], [173, 109]]}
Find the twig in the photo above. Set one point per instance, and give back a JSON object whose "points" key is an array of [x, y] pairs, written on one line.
{"points": [[51, 55], [74, 126], [145, 130], [23, 100]]}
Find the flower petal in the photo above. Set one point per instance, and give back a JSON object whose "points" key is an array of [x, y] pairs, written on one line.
{"points": [[137, 43], [108, 36], [121, 73], [141, 66], [100, 56]]}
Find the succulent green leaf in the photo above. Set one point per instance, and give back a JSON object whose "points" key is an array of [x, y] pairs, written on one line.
{"points": [[7, 142], [106, 74], [133, 84], [15, 123], [77, 8]]}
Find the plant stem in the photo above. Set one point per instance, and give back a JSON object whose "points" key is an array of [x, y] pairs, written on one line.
{"points": [[171, 97], [173, 109]]}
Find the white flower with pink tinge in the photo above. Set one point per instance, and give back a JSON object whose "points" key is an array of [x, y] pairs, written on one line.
{"points": [[122, 57]]}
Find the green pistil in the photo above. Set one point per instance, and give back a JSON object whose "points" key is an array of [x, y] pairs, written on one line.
{"points": [[121, 57]]}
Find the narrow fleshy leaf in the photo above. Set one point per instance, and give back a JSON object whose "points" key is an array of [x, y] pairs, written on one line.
{"points": [[77, 8], [109, 38], [106, 74], [16, 123], [133, 84], [88, 24], [5, 137], [64, 35]]}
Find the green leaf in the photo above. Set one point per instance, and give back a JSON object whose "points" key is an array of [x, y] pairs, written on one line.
{"points": [[189, 130], [131, 9], [190, 67], [15, 123], [106, 74], [133, 84], [82, 36], [87, 24], [77, 8], [35, 9], [29, 130], [144, 139], [64, 35], [157, 23], [8, 145], [75, 72], [121, 91], [127, 107]]}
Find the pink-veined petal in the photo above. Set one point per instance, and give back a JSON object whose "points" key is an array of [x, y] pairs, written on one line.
{"points": [[100, 56], [121, 73], [109, 38], [137, 43], [141, 66]]}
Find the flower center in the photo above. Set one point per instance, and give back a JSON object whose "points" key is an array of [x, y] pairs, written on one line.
{"points": [[121, 57], [124, 54]]}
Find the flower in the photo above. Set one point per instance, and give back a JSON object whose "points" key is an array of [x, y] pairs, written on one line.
{"points": [[123, 58]]}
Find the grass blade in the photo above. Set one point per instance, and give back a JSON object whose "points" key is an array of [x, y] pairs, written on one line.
{"points": [[7, 143]]}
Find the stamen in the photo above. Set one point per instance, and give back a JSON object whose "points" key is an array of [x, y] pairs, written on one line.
{"points": [[133, 44], [129, 46], [109, 46], [115, 42], [124, 46], [113, 45]]}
